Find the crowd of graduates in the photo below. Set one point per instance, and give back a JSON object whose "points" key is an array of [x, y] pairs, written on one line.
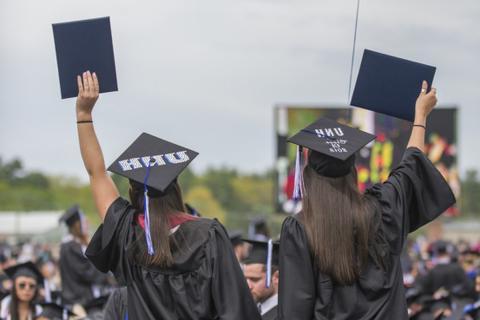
{"points": [[442, 278]]}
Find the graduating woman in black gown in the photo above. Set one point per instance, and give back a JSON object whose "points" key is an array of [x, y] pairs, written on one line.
{"points": [[340, 257], [187, 269]]}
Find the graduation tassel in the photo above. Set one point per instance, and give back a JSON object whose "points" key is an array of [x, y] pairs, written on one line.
{"points": [[269, 263], [65, 314], [297, 189], [146, 218]]}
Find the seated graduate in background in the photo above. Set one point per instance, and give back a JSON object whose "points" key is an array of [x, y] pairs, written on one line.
{"points": [[261, 271], [81, 281], [340, 257], [175, 266], [22, 303]]}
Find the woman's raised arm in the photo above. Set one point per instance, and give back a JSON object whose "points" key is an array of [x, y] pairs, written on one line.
{"points": [[423, 107], [103, 188]]}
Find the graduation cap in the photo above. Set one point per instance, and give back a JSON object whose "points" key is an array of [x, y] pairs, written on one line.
{"points": [[53, 311], [332, 148], [27, 269], [154, 163], [84, 45], [71, 215], [264, 252], [390, 85]]}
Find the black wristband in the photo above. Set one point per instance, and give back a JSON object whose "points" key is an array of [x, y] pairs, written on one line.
{"points": [[420, 125], [84, 121]]}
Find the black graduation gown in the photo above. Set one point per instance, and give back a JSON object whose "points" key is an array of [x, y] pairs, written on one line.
{"points": [[116, 306], [78, 274], [205, 282], [271, 314], [414, 194]]}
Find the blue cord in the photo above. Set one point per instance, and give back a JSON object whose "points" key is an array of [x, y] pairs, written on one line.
{"points": [[146, 206]]}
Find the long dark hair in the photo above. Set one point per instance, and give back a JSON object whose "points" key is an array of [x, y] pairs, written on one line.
{"points": [[162, 205], [338, 220], [13, 307]]}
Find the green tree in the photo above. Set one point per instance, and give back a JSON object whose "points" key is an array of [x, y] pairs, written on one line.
{"points": [[219, 181], [202, 199]]}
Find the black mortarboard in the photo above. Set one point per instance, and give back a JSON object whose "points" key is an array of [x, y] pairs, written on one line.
{"points": [[54, 311], [236, 237], [71, 215], [390, 85], [259, 252], [332, 147], [84, 45], [155, 163], [331, 138], [27, 269], [264, 252], [192, 211], [162, 160]]}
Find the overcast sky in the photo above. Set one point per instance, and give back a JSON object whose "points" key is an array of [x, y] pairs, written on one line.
{"points": [[206, 74]]}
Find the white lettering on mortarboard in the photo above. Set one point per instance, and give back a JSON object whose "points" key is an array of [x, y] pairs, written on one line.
{"points": [[177, 157], [320, 133], [130, 164], [329, 132], [338, 131], [336, 146], [157, 161]]}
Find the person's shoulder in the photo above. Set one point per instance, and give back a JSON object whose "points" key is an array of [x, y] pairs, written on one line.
{"points": [[199, 224], [196, 230], [69, 244], [294, 221], [120, 204]]}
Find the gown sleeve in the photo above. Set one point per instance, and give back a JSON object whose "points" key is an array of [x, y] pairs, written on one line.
{"points": [[298, 277], [414, 194], [109, 243], [231, 296]]}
